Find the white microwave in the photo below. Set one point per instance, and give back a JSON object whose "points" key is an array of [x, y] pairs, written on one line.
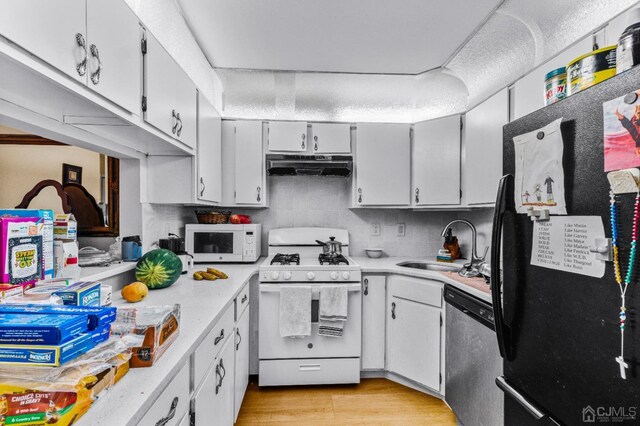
{"points": [[223, 243]]}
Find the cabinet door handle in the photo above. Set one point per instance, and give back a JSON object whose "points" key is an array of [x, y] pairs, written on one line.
{"points": [[219, 376], [239, 339], [393, 310], [244, 299], [174, 121], [366, 286], [82, 66], [417, 195], [258, 194], [95, 53], [203, 186], [303, 139], [179, 129], [315, 143], [170, 415], [359, 195], [219, 338]]}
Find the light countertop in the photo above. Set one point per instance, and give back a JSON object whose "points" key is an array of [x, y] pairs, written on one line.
{"points": [[97, 273], [389, 265], [202, 304]]}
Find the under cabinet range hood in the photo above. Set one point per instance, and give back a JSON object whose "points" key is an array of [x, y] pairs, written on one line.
{"points": [[309, 165]]}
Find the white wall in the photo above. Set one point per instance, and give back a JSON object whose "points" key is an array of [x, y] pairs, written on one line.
{"points": [[324, 201], [23, 166]]}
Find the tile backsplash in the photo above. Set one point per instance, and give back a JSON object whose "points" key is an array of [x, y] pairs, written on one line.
{"points": [[324, 201]]}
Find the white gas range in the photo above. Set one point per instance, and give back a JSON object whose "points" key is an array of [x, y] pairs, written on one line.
{"points": [[295, 259]]}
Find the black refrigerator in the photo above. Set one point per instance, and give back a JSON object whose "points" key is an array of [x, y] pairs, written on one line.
{"points": [[559, 331]]}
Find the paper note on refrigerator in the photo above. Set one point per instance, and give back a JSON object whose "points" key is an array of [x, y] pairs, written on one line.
{"points": [[563, 243]]}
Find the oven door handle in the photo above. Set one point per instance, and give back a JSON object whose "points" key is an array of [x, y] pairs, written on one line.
{"points": [[275, 288]]}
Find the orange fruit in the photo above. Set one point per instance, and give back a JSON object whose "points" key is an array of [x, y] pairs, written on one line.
{"points": [[134, 292]]}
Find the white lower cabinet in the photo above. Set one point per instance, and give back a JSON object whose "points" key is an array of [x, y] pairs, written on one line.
{"points": [[241, 360], [373, 321], [213, 401], [414, 330], [172, 404]]}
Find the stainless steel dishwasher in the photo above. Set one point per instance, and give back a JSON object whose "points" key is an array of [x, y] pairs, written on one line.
{"points": [[472, 361]]}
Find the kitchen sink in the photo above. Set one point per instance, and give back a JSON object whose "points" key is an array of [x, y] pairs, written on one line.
{"points": [[427, 266]]}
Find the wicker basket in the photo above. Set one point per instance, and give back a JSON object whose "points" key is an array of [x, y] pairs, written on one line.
{"points": [[212, 216]]}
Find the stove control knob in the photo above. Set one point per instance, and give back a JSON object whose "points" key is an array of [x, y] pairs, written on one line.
{"points": [[287, 275], [311, 276], [334, 275], [275, 275], [346, 275]]}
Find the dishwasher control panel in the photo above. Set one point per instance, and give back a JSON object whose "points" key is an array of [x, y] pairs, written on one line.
{"points": [[470, 305]]}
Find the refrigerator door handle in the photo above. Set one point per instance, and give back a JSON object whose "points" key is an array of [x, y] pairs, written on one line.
{"points": [[529, 406], [504, 204]]}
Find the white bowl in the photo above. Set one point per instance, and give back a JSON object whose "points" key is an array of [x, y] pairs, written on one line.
{"points": [[373, 253]]}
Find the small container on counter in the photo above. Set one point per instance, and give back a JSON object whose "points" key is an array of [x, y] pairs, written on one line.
{"points": [[555, 86]]}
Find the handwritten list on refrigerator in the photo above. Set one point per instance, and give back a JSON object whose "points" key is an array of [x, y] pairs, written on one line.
{"points": [[563, 243]]}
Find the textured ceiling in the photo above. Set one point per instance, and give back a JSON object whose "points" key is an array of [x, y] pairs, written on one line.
{"points": [[361, 36], [520, 35]]}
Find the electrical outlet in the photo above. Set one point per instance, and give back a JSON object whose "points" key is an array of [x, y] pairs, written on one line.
{"points": [[400, 229], [375, 229]]}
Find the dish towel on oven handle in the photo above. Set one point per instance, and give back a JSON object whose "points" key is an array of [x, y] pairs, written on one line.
{"points": [[333, 311], [295, 311]]}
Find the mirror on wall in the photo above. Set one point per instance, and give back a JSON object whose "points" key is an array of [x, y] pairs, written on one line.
{"points": [[44, 174]]}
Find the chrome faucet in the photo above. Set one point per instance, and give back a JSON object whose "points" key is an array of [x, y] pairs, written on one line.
{"points": [[471, 269]]}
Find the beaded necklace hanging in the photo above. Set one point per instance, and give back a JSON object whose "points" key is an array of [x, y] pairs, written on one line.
{"points": [[617, 270]]}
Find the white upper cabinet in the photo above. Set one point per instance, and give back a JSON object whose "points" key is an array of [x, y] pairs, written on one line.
{"points": [[383, 164], [114, 64], [170, 94], [482, 135], [209, 152], [243, 171], [54, 31], [288, 136], [330, 138], [436, 162], [185, 105], [529, 91]]}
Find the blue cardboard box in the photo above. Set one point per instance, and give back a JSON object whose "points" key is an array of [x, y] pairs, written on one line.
{"points": [[98, 316], [46, 355], [101, 334], [81, 294], [43, 329]]}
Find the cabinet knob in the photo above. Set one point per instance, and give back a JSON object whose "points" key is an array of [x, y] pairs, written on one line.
{"points": [[203, 186], [170, 415], [258, 195], [359, 195], [81, 68], [95, 76], [303, 139], [366, 286], [315, 143], [417, 195], [393, 310], [239, 339]]}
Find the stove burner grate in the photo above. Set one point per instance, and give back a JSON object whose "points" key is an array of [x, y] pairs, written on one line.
{"points": [[332, 259], [286, 259]]}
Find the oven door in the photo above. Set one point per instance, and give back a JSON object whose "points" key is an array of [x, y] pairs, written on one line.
{"points": [[214, 244], [272, 346]]}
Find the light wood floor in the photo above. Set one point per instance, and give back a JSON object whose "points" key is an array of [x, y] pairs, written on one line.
{"points": [[372, 402]]}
